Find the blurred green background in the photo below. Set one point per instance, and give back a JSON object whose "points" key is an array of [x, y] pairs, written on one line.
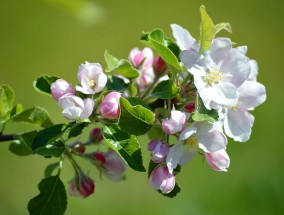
{"points": [[54, 36]]}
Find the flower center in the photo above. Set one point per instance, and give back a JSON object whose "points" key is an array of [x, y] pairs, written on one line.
{"points": [[191, 142], [213, 76], [92, 84], [235, 107]]}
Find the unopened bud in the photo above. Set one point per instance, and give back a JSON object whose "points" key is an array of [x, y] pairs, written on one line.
{"points": [[175, 123], [162, 179], [110, 107], [60, 88], [96, 136], [190, 107], [218, 160], [159, 65], [158, 151]]}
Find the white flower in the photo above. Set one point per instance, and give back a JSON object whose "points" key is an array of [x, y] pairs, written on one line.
{"points": [[75, 108], [91, 77], [237, 119], [204, 135], [218, 72]]}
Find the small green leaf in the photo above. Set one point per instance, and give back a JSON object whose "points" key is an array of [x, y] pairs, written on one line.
{"points": [[126, 145], [165, 48], [165, 90], [50, 169], [133, 90], [120, 67], [19, 148], [36, 116], [6, 101], [77, 129], [202, 114], [135, 120], [115, 83], [207, 29], [16, 110], [223, 26], [52, 198], [48, 136], [51, 150], [135, 101], [42, 83]]}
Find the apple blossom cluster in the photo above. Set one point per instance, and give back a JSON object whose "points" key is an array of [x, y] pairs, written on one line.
{"points": [[185, 96]]}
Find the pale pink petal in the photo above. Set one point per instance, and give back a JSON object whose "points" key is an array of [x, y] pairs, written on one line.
{"points": [[224, 94], [189, 58]]}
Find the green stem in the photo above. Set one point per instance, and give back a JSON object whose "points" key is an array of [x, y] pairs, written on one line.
{"points": [[186, 79], [73, 162], [149, 90]]}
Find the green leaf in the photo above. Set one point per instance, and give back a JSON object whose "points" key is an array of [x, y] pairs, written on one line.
{"points": [[52, 198], [55, 149], [135, 120], [18, 147], [135, 101], [222, 26], [120, 67], [48, 136], [115, 83], [28, 138], [50, 169], [155, 133], [36, 116], [165, 90], [6, 101], [16, 110], [42, 83], [207, 30], [126, 145], [202, 114], [77, 129], [165, 48]]}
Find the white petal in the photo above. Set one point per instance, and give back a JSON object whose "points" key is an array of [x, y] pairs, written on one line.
{"points": [[238, 125], [242, 49], [187, 155], [184, 40], [72, 113], [212, 142], [174, 156], [224, 94], [189, 58], [235, 69], [88, 108], [219, 50], [254, 70], [251, 94], [187, 132]]}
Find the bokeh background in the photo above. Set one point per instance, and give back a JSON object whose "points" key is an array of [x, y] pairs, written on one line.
{"points": [[55, 36]]}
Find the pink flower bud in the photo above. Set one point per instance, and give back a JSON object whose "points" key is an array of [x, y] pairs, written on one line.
{"points": [[175, 123], [60, 88], [81, 185], [91, 77], [190, 107], [159, 65], [110, 107], [162, 179], [74, 107], [218, 160], [111, 164], [142, 59], [158, 151], [96, 136]]}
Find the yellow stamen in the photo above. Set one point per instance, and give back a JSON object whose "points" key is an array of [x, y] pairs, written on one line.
{"points": [[191, 142], [213, 76], [92, 84]]}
